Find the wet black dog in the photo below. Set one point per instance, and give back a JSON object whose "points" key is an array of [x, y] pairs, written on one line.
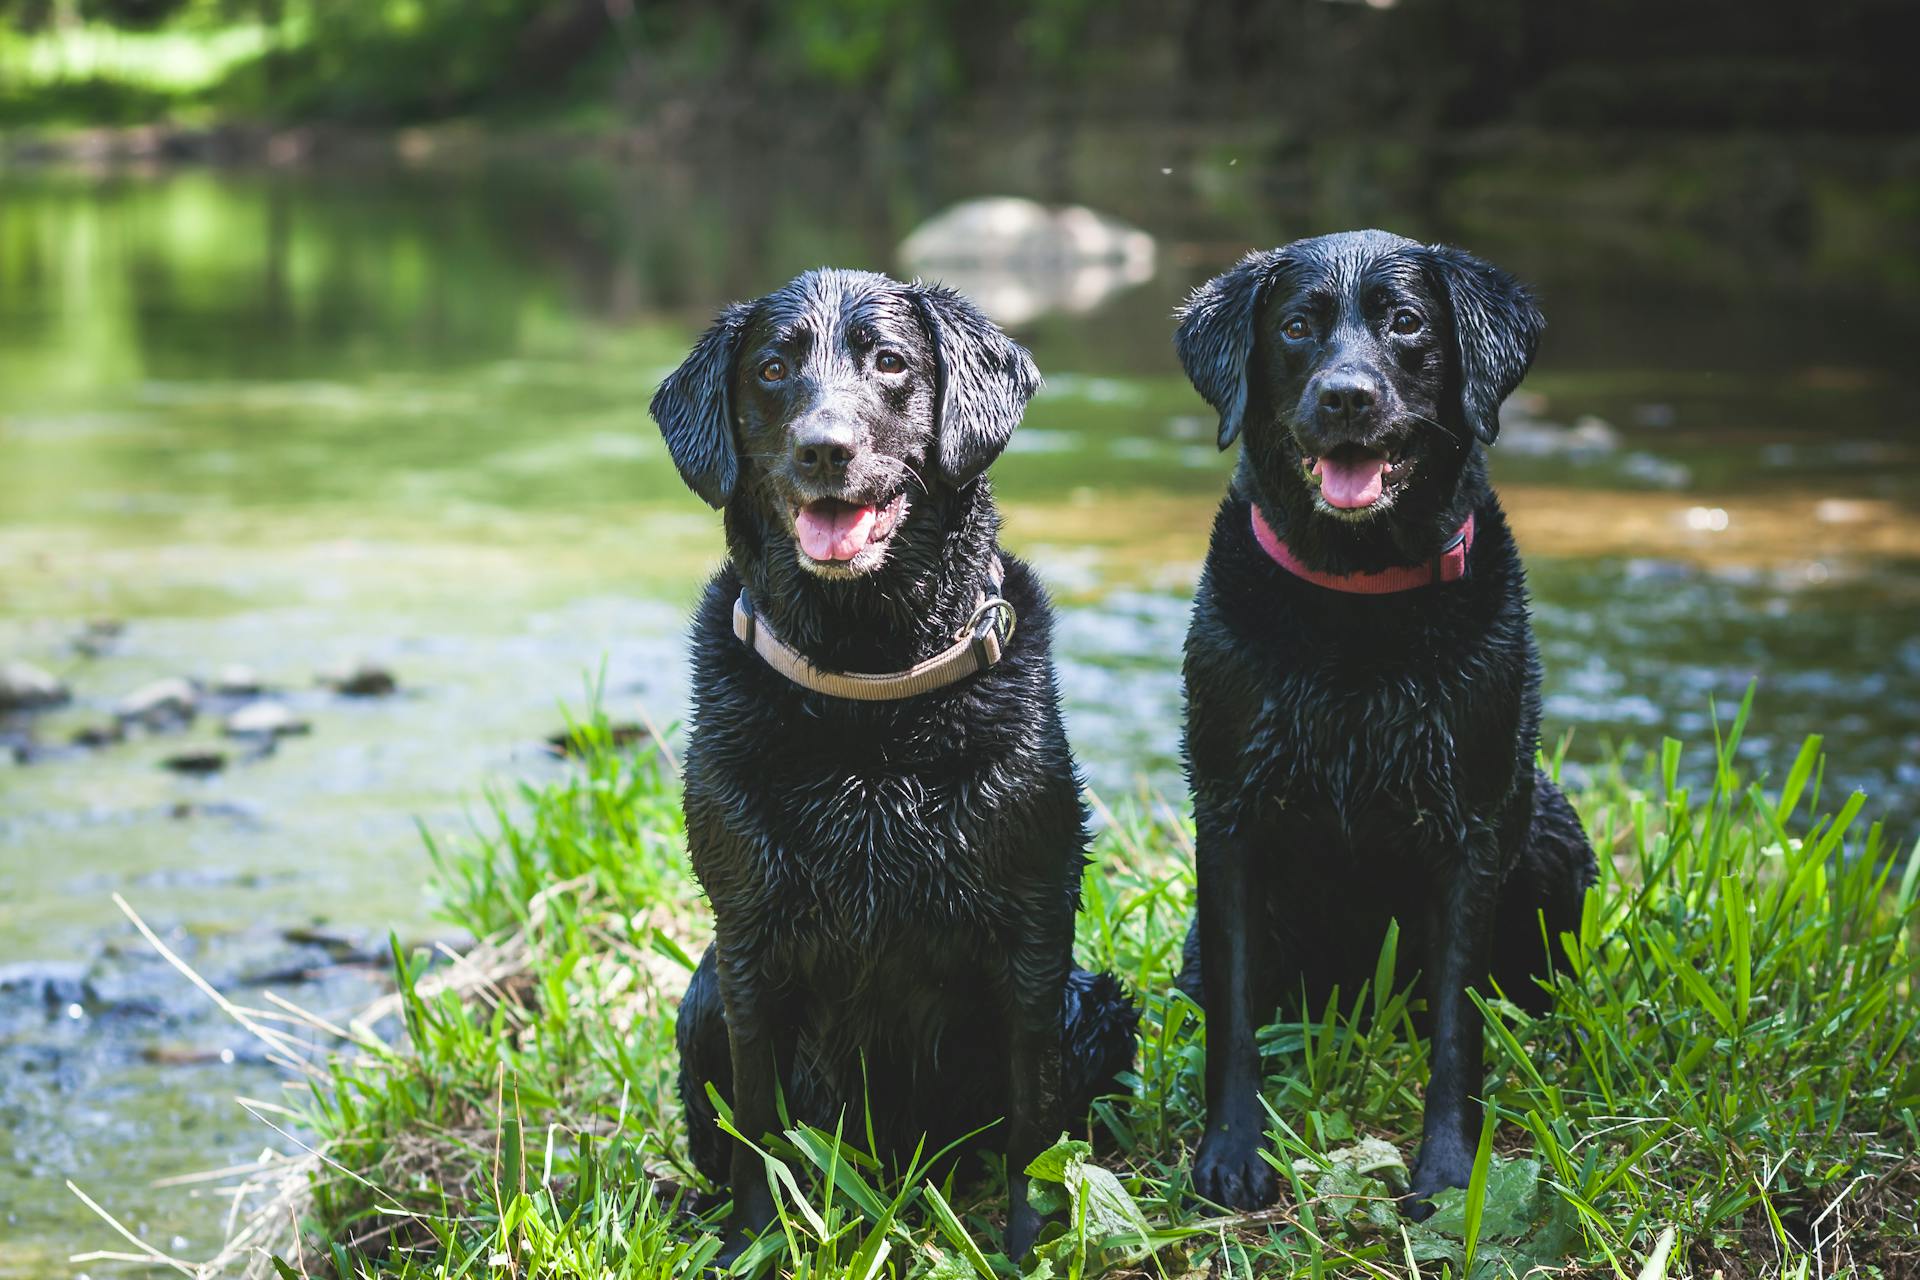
{"points": [[894, 880], [1363, 689]]}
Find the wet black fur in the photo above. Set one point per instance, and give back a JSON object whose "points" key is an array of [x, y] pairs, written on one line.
{"points": [[893, 883], [1361, 759]]}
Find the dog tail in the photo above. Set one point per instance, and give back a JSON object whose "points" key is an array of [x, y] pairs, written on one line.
{"points": [[1101, 1027]]}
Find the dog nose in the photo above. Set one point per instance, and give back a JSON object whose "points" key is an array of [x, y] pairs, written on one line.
{"points": [[822, 449], [1348, 394]]}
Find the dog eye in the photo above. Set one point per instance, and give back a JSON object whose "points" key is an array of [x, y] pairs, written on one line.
{"points": [[1405, 322], [1296, 328], [890, 362], [773, 371]]}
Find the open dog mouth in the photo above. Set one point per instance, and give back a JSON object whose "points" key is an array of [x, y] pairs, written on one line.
{"points": [[1353, 478], [832, 531]]}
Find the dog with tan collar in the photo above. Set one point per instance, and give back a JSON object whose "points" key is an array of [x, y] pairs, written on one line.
{"points": [[881, 804]]}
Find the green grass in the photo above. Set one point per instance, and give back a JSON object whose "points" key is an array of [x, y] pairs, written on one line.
{"points": [[1730, 1081]]}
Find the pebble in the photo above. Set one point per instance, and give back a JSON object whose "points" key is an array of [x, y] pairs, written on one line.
{"points": [[160, 704], [264, 719], [361, 680], [98, 735], [25, 687], [237, 681], [196, 762], [569, 742]]}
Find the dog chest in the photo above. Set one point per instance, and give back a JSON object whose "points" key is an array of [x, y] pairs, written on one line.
{"points": [[1398, 757]]}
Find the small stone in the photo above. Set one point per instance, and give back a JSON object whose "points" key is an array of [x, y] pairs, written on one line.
{"points": [[98, 735], [98, 635], [361, 680], [160, 704], [25, 687], [264, 719], [237, 681], [1591, 432], [198, 763], [573, 742], [52, 984]]}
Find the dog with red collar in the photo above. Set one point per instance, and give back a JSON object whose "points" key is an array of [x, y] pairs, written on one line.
{"points": [[1363, 687]]}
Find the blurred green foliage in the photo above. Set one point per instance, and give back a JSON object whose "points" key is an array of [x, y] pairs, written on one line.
{"points": [[1584, 64]]}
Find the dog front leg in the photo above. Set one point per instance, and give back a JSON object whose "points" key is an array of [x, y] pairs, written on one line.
{"points": [[756, 1050], [1460, 949], [1229, 1169], [1039, 982]]}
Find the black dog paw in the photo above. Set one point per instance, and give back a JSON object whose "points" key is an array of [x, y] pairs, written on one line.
{"points": [[1233, 1174], [732, 1245], [1431, 1174]]}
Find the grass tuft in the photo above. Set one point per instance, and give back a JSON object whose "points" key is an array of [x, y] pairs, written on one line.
{"points": [[1729, 1082]]}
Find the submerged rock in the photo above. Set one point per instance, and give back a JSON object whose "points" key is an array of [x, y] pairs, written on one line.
{"points": [[99, 635], [1019, 259], [573, 742], [53, 983], [264, 719], [98, 735], [198, 763], [160, 705], [1587, 439], [361, 680], [25, 687]]}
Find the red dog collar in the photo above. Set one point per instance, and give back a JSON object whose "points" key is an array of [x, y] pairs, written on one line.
{"points": [[1450, 565]]}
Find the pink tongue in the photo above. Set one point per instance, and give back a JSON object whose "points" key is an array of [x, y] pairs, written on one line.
{"points": [[833, 530], [1353, 483]]}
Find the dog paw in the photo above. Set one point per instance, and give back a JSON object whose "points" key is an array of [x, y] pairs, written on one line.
{"points": [[731, 1247], [1231, 1173], [1433, 1173]]}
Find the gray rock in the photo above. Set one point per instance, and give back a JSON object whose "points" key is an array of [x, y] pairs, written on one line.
{"points": [[237, 681], [161, 704], [264, 719], [25, 687], [1594, 434], [361, 680], [1587, 439], [1659, 473], [1019, 259]]}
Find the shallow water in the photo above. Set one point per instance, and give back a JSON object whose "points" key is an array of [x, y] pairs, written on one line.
{"points": [[287, 419]]}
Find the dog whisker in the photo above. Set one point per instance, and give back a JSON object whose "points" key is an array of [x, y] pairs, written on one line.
{"points": [[1449, 432]]}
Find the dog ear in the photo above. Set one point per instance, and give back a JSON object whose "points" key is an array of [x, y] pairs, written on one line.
{"points": [[1496, 330], [695, 411], [982, 380], [1214, 338]]}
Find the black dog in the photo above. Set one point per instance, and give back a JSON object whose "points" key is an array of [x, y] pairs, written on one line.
{"points": [[1363, 690], [894, 865]]}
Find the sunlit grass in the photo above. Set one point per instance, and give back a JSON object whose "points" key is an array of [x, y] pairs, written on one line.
{"points": [[1730, 1080]]}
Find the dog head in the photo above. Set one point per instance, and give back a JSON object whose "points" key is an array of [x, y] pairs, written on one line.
{"points": [[840, 405], [1361, 366]]}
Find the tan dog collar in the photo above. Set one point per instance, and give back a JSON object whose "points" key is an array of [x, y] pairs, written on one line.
{"points": [[978, 646]]}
